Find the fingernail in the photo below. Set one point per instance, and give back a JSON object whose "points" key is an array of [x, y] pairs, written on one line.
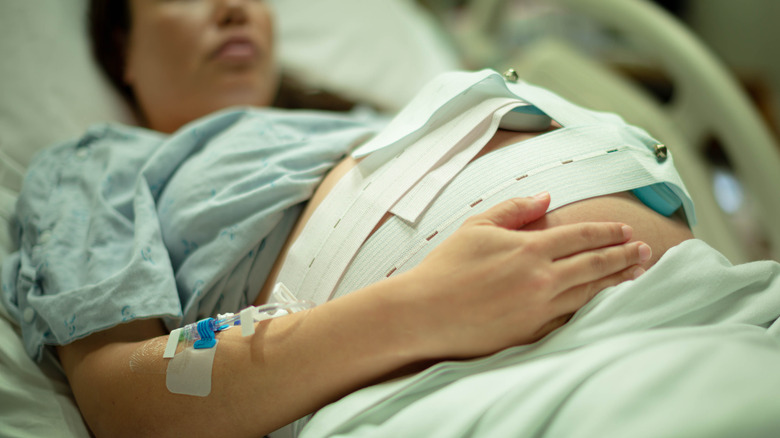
{"points": [[627, 232], [638, 273], [541, 196], [644, 253]]}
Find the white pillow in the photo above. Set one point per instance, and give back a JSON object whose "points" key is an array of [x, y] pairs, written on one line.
{"points": [[35, 400], [50, 87], [376, 51]]}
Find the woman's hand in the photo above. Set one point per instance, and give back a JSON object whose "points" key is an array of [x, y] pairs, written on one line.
{"points": [[490, 286]]}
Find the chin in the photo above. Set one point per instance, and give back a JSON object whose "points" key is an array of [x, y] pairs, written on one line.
{"points": [[242, 91], [242, 96]]}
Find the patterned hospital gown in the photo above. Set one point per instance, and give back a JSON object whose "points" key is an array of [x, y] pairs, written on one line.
{"points": [[128, 223]]}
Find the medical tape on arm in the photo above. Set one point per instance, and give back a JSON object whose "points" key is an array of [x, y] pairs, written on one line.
{"points": [[189, 370], [191, 349]]}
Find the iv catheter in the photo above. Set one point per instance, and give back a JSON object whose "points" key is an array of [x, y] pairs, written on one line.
{"points": [[201, 334]]}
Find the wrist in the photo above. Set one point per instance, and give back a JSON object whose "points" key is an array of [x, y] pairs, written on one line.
{"points": [[406, 316]]}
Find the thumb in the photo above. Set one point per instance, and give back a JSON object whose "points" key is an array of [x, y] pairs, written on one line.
{"points": [[517, 212]]}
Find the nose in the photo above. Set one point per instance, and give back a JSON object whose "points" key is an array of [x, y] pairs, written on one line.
{"points": [[232, 12]]}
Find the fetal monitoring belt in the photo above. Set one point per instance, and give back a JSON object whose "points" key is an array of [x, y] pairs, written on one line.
{"points": [[408, 168]]}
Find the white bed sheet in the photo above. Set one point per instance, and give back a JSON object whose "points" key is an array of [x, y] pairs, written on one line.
{"points": [[35, 399], [689, 349]]}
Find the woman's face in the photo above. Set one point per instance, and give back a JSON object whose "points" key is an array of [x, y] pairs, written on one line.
{"points": [[188, 58]]}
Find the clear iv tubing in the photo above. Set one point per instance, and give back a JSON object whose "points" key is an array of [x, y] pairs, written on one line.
{"points": [[266, 311], [259, 313]]}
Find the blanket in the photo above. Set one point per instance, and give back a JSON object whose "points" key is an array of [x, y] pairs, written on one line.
{"points": [[689, 349]]}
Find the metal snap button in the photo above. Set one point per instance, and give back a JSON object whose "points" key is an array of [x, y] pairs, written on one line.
{"points": [[661, 152], [511, 75]]}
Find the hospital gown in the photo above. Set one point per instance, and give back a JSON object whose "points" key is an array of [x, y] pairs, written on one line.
{"points": [[127, 223]]}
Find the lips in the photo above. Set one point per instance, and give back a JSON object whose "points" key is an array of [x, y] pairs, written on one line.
{"points": [[236, 50]]}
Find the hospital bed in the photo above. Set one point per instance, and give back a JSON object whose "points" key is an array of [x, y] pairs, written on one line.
{"points": [[50, 90]]}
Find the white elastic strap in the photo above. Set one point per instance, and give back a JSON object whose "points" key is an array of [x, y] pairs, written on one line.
{"points": [[401, 157], [560, 109], [414, 203], [434, 106], [429, 109], [356, 204]]}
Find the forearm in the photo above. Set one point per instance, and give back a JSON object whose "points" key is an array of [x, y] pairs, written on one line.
{"points": [[291, 366], [485, 288]]}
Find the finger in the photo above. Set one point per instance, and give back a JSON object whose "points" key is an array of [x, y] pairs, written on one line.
{"points": [[568, 240], [588, 266], [574, 298], [516, 212]]}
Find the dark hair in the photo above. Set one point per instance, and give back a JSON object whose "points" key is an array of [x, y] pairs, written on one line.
{"points": [[109, 30]]}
